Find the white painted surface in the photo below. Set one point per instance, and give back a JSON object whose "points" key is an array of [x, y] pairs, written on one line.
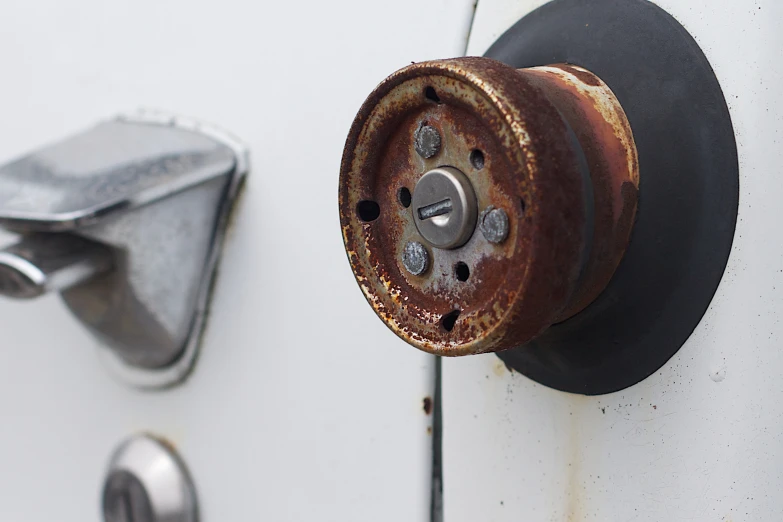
{"points": [[303, 406], [701, 439]]}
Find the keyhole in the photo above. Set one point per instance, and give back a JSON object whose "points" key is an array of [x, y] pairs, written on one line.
{"points": [[435, 209], [121, 507], [444, 207], [126, 507], [126, 500]]}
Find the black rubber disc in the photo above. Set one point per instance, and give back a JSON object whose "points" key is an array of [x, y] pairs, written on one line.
{"points": [[688, 194]]}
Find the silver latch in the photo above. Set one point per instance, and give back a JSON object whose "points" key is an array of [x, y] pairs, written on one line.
{"points": [[126, 221]]}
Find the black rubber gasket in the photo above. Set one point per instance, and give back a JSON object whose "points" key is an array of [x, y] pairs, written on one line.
{"points": [[689, 190]]}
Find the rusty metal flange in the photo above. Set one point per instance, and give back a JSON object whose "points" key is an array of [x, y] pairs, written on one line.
{"points": [[689, 190], [549, 146]]}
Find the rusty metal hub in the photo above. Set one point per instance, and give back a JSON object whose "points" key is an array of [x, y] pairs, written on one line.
{"points": [[517, 189]]}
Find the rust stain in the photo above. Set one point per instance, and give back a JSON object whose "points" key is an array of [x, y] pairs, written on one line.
{"points": [[427, 405], [539, 274], [167, 442]]}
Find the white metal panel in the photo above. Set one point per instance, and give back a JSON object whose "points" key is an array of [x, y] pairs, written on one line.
{"points": [[303, 406], [701, 439]]}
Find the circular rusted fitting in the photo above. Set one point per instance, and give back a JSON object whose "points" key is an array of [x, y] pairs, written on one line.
{"points": [[548, 146]]}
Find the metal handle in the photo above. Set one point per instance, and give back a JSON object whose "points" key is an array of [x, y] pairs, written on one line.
{"points": [[126, 221]]}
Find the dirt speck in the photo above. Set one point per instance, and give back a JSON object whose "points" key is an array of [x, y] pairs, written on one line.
{"points": [[427, 405]]}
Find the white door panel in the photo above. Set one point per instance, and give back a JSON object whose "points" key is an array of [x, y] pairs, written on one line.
{"points": [[302, 405], [699, 440]]}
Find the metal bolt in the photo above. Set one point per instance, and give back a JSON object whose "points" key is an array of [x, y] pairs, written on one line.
{"points": [[415, 258], [493, 223], [426, 141]]}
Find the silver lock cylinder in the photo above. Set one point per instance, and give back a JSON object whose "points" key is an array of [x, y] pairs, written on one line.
{"points": [[444, 207], [148, 482], [126, 222]]}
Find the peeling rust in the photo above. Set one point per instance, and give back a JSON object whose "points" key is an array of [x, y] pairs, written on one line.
{"points": [[521, 122]]}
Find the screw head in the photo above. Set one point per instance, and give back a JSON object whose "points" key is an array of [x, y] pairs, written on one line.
{"points": [[415, 258], [493, 223], [426, 141]]}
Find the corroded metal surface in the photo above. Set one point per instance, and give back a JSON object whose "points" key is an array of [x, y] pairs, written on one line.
{"points": [[605, 138], [518, 146]]}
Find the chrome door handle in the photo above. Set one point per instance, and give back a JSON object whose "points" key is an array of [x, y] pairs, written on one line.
{"points": [[126, 221]]}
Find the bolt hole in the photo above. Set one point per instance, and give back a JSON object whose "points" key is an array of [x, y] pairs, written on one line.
{"points": [[404, 195], [522, 205], [430, 94], [449, 320], [462, 271], [368, 210], [477, 159]]}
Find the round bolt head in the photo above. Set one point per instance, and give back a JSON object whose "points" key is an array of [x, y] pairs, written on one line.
{"points": [[426, 141], [415, 258], [494, 224], [444, 207]]}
